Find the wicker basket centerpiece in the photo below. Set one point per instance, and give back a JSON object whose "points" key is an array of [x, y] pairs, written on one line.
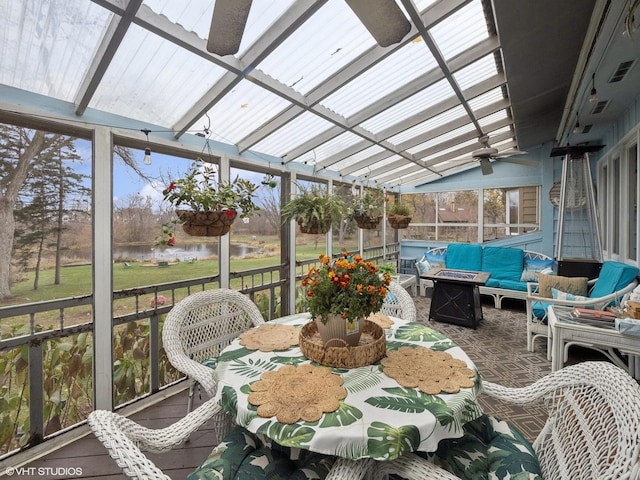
{"points": [[372, 347]]}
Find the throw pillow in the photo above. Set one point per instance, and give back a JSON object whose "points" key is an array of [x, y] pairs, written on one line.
{"points": [[423, 266], [559, 295], [436, 260], [533, 267], [573, 285]]}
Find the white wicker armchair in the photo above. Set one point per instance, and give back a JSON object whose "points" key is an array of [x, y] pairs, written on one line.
{"points": [[399, 304], [125, 441], [592, 431], [198, 327], [537, 310]]}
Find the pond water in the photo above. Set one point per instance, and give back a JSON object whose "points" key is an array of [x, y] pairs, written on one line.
{"points": [[186, 251]]}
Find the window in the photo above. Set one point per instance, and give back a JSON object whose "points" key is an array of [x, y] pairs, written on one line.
{"points": [[458, 216]]}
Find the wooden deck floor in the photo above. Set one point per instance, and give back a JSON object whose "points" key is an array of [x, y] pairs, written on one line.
{"points": [[90, 459]]}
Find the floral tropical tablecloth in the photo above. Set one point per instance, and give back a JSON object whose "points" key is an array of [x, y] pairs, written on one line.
{"points": [[378, 418]]}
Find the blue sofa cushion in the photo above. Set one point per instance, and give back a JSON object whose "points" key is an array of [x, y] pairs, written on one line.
{"points": [[493, 282], [511, 285], [504, 263], [613, 276], [539, 309], [464, 256], [241, 455], [489, 449]]}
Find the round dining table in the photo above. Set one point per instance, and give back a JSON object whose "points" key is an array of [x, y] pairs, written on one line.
{"points": [[378, 418]]}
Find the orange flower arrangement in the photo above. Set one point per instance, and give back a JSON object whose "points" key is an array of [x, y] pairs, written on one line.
{"points": [[347, 286]]}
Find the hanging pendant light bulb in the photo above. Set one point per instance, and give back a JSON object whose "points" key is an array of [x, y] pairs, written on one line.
{"points": [[147, 150], [593, 95], [147, 156], [576, 129]]}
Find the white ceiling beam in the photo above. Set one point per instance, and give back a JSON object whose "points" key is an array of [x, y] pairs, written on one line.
{"points": [[115, 32]]}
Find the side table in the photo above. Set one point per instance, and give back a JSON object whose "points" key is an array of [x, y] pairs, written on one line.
{"points": [[566, 330], [456, 298]]}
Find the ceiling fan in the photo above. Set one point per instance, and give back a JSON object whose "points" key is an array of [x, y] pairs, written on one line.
{"points": [[383, 18], [487, 153]]}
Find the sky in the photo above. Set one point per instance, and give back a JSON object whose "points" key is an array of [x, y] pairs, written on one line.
{"points": [[127, 183]]}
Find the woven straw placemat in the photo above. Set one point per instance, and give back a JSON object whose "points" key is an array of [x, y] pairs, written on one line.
{"points": [[380, 319], [292, 393], [267, 337], [430, 371]]}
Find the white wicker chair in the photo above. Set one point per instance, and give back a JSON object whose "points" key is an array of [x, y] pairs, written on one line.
{"points": [[593, 428], [537, 326], [399, 304], [125, 440], [198, 327]]}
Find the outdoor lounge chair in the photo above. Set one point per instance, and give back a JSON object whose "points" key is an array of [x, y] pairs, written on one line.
{"points": [[239, 455], [398, 303], [592, 431], [197, 329]]}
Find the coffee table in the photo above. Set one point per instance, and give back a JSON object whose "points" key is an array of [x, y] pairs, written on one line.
{"points": [[566, 330], [456, 298]]}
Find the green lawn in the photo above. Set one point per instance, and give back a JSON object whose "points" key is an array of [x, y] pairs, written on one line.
{"points": [[77, 280]]}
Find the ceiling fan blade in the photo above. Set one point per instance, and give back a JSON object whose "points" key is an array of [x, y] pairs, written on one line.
{"points": [[520, 161], [383, 18], [509, 153], [485, 166], [227, 26]]}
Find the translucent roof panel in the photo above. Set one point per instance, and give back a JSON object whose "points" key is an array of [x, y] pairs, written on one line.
{"points": [[471, 144], [315, 88], [153, 79], [428, 125], [486, 99], [494, 117], [461, 30], [47, 47], [314, 52], [383, 79], [414, 104], [195, 15], [294, 133], [476, 72], [440, 139], [335, 146], [357, 157], [386, 162], [241, 111]]}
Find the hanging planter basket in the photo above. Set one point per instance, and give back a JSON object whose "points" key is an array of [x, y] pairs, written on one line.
{"points": [[399, 221], [207, 224], [367, 223], [314, 228]]}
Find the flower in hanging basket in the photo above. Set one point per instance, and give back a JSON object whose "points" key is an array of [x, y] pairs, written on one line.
{"points": [[199, 191], [207, 206], [367, 208], [167, 237], [347, 286]]}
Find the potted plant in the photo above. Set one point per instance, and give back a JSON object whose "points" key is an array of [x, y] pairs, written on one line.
{"points": [[367, 208], [212, 206], [399, 214], [314, 209], [342, 293]]}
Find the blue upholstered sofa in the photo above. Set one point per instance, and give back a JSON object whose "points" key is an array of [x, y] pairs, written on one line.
{"points": [[510, 268]]}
